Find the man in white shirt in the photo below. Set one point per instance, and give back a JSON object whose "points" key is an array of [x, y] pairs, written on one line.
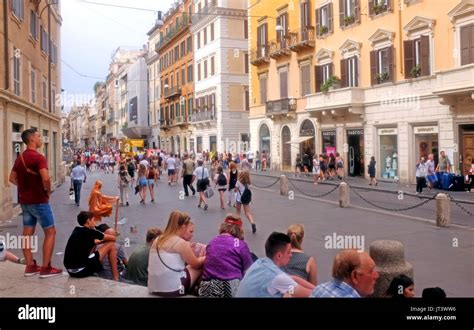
{"points": [[171, 166]]}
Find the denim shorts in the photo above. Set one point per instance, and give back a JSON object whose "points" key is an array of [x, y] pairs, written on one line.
{"points": [[151, 182], [38, 212]]}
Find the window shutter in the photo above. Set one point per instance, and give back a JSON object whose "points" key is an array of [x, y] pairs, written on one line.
{"points": [[357, 11], [302, 15], [246, 29], [307, 14], [356, 71], [283, 84], [371, 8], [341, 13], [259, 40], [287, 24], [317, 15], [465, 45], [305, 80], [331, 70], [344, 80], [318, 73], [373, 67], [391, 63], [263, 90], [408, 51], [425, 55], [330, 18]]}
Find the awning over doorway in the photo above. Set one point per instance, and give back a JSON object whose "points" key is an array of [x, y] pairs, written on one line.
{"points": [[300, 139]]}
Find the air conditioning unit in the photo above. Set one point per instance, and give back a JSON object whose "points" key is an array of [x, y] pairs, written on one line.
{"points": [[16, 137]]}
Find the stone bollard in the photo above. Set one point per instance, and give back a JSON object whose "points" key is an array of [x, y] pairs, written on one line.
{"points": [[443, 210], [344, 195], [284, 185], [389, 258]]}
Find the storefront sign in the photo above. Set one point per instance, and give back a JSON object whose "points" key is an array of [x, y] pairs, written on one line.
{"points": [[388, 131], [426, 130], [329, 133], [355, 132]]}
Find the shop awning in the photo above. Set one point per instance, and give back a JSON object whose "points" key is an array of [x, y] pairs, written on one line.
{"points": [[300, 139]]}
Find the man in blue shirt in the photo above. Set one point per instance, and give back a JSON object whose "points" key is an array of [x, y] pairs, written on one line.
{"points": [[354, 276], [265, 278], [78, 176]]}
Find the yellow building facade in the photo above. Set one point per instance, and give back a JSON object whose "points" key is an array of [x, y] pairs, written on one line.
{"points": [[387, 78]]}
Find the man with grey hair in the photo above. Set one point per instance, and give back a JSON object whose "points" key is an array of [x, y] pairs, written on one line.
{"points": [[354, 276]]}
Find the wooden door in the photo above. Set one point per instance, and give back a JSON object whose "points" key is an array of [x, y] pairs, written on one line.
{"points": [[467, 152]]}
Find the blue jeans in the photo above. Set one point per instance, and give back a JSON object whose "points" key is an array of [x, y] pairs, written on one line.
{"points": [[38, 212], [77, 190]]}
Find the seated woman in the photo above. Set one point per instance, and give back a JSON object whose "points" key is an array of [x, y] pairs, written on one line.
{"points": [[173, 267], [227, 259], [100, 205], [401, 287], [301, 264]]}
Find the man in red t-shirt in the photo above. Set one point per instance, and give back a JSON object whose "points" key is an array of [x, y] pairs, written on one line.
{"points": [[30, 174]]}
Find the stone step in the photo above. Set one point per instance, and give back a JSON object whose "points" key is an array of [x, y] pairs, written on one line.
{"points": [[13, 284]]}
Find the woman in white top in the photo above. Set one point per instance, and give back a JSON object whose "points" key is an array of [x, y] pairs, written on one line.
{"points": [[240, 186], [316, 169], [168, 274], [202, 176]]}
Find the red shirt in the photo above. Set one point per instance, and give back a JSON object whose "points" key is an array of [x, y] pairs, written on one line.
{"points": [[30, 186]]}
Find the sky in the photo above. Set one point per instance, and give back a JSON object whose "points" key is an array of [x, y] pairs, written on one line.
{"points": [[90, 33]]}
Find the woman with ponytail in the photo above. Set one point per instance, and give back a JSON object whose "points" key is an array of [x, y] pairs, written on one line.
{"points": [[301, 264]]}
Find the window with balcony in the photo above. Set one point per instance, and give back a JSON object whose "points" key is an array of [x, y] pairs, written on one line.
{"points": [[349, 72], [262, 40], [282, 21], [322, 74], [349, 12], [16, 74], [467, 44], [283, 77], [382, 65], [305, 79], [17, 9], [263, 88], [377, 7], [34, 24], [324, 20], [417, 57], [305, 16]]}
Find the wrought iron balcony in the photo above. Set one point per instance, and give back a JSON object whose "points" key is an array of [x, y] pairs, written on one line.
{"points": [[203, 116], [197, 17], [260, 55], [172, 91], [279, 48], [280, 107], [184, 23], [302, 39]]}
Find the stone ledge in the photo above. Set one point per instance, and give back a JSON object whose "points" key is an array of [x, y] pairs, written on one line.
{"points": [[14, 284]]}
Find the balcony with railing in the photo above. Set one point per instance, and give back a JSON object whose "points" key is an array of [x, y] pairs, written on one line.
{"points": [[302, 39], [280, 48], [208, 9], [203, 116], [349, 99], [172, 92], [280, 107], [165, 124], [260, 55], [111, 119], [184, 23]]}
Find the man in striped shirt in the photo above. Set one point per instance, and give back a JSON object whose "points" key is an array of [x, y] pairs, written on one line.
{"points": [[354, 276]]}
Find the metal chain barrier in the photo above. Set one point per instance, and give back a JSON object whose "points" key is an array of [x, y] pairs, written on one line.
{"points": [[317, 196], [459, 205], [265, 187], [391, 209]]}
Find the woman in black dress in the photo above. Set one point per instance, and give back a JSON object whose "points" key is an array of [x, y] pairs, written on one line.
{"points": [[372, 171], [233, 175]]}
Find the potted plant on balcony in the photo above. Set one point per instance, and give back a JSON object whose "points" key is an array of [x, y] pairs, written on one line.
{"points": [[348, 20], [416, 71], [379, 8], [323, 30], [382, 77], [332, 82]]}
